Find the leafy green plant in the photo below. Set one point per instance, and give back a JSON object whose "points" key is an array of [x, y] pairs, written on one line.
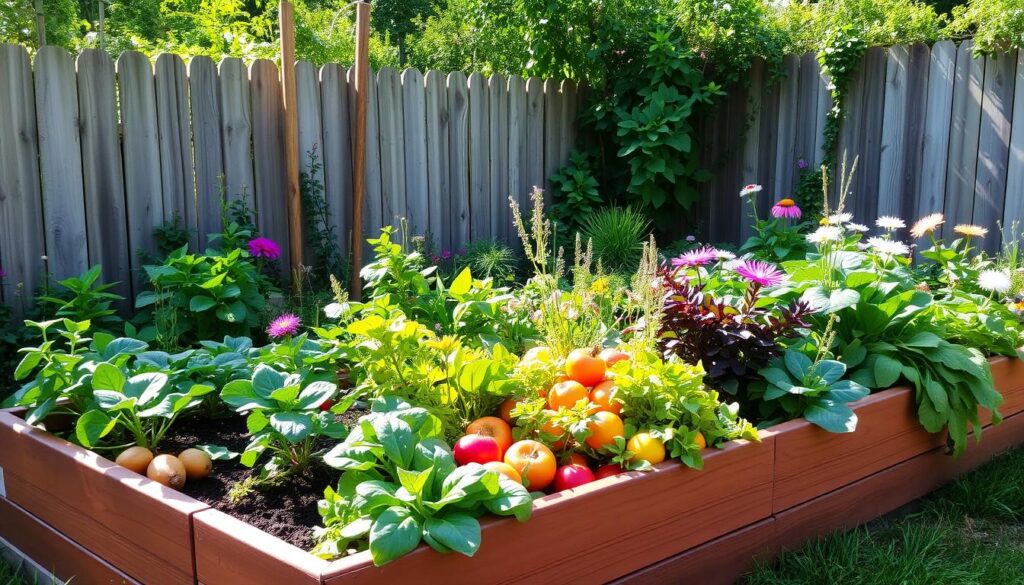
{"points": [[143, 405], [617, 235], [814, 390], [401, 486], [211, 295], [491, 259], [284, 417], [320, 229], [995, 25], [575, 191], [83, 298], [171, 235]]}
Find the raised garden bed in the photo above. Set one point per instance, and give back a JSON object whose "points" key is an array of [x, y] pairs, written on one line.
{"points": [[106, 524]]}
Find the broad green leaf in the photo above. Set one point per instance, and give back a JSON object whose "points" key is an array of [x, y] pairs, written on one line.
{"points": [[512, 500], [93, 426], [123, 345], [797, 364], [295, 426], [395, 435], [373, 495], [350, 457], [145, 387], [286, 395], [108, 377], [217, 452], [830, 371], [256, 421], [394, 533], [233, 313], [200, 303], [265, 380], [112, 400], [462, 284], [835, 418], [886, 371], [414, 481], [922, 339], [457, 532], [27, 364], [240, 395], [845, 391], [314, 394]]}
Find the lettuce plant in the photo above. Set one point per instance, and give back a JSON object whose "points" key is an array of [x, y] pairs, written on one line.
{"points": [[400, 486]]}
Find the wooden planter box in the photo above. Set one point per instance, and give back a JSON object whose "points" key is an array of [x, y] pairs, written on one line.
{"points": [[89, 517]]}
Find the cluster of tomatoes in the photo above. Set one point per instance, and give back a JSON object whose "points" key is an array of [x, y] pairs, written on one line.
{"points": [[489, 440]]}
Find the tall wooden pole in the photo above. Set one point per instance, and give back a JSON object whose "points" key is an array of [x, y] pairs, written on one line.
{"points": [[291, 140], [362, 82], [40, 23]]}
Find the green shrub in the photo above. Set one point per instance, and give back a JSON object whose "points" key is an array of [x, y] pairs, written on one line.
{"points": [[996, 25], [491, 259], [618, 236]]}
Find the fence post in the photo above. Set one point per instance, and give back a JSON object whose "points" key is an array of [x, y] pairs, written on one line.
{"points": [[291, 141], [362, 80]]}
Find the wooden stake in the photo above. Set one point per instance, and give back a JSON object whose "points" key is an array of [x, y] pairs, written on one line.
{"points": [[291, 140], [40, 23], [362, 81]]}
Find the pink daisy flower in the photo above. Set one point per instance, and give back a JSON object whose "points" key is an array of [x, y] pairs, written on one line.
{"points": [[696, 257], [287, 324], [760, 273], [264, 248], [786, 208]]}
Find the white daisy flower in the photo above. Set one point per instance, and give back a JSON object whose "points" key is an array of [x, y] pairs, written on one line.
{"points": [[857, 227], [838, 218], [890, 223], [885, 247], [826, 233], [750, 189], [726, 255], [994, 280], [927, 225]]}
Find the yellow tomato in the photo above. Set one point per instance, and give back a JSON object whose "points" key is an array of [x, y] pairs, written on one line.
{"points": [[646, 447]]}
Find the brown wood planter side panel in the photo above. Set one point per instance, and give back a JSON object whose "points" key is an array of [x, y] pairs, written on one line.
{"points": [[229, 551], [53, 551], [623, 523], [719, 562], [136, 525], [811, 462], [891, 488], [1008, 375]]}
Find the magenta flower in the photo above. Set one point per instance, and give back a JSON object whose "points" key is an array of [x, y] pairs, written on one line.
{"points": [[264, 248], [446, 254], [760, 273], [287, 324], [786, 208], [802, 164], [696, 257]]}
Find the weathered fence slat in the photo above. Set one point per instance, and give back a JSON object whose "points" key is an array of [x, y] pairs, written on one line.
{"points": [[1014, 209], [392, 151], [497, 101], [479, 159], [204, 99], [786, 155], [892, 158], [268, 153], [994, 143], [176, 161], [552, 134], [307, 98], [932, 177], [516, 186], [337, 152], [21, 216], [533, 168], [414, 107], [60, 162], [438, 193], [458, 157], [106, 221], [965, 128], [236, 130]]}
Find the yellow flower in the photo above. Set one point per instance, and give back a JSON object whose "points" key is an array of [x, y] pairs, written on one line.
{"points": [[971, 231], [927, 224], [600, 285]]}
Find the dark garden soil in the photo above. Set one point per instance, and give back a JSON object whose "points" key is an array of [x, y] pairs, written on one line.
{"points": [[287, 510]]}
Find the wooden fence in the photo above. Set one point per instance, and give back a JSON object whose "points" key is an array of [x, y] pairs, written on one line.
{"points": [[94, 153]]}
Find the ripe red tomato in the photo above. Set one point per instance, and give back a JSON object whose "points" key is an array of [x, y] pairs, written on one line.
{"points": [[571, 476], [326, 405], [608, 470], [584, 367], [476, 449], [492, 426]]}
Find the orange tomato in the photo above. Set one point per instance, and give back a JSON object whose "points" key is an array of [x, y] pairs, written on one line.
{"points": [[534, 462], [577, 459], [554, 430], [504, 469], [506, 410], [583, 367], [612, 356], [604, 427], [566, 394], [646, 447], [603, 397], [700, 440], [492, 426]]}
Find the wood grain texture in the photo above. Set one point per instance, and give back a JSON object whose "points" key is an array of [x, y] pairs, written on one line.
{"points": [[458, 157], [624, 532], [750, 171], [785, 153], [552, 133], [938, 113], [135, 524], [534, 166], [103, 179], [439, 201], [414, 120], [373, 209], [994, 144], [229, 551], [892, 158], [236, 130], [812, 462], [60, 162], [808, 86], [965, 127], [863, 202], [392, 149], [204, 102], [719, 562], [310, 137], [140, 144], [337, 151], [21, 214], [518, 151], [479, 146], [497, 106], [268, 154], [1013, 210], [53, 551], [176, 162], [1008, 376]]}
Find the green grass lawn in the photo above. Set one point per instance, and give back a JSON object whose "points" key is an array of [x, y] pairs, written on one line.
{"points": [[11, 574], [968, 533]]}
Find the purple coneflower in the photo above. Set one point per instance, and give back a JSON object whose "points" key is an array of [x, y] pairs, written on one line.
{"points": [[287, 324], [760, 273], [786, 208], [264, 248], [696, 257]]}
